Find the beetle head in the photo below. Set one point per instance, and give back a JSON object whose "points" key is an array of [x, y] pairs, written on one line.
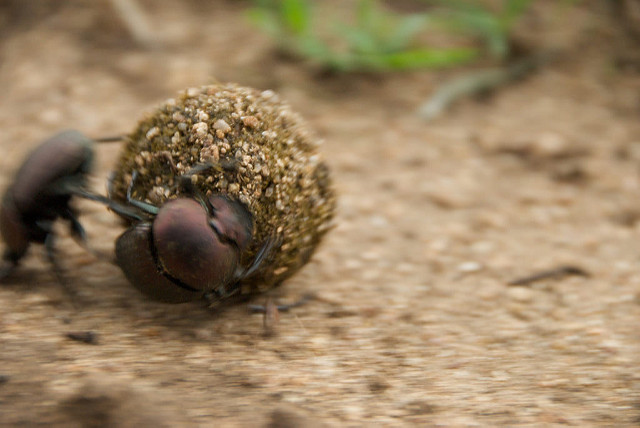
{"points": [[231, 220]]}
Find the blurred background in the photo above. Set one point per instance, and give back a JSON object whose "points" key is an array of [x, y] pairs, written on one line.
{"points": [[472, 144]]}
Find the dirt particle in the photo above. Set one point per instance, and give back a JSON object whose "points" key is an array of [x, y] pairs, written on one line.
{"points": [[103, 402], [222, 126], [470, 267], [233, 188], [200, 129], [378, 385], [153, 132], [421, 408], [289, 417], [88, 337], [521, 294], [250, 121]]}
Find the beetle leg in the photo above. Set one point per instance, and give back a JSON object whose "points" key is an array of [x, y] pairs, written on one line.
{"points": [[263, 254], [214, 297], [80, 236], [110, 178], [111, 204], [261, 309], [77, 231], [50, 250], [148, 208], [6, 269]]}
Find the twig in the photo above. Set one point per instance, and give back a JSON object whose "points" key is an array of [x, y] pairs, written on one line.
{"points": [[556, 273], [480, 82], [135, 19]]}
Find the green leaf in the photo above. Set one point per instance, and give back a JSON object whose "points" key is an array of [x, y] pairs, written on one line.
{"points": [[296, 15], [314, 48], [482, 24], [405, 31], [266, 21], [366, 14], [512, 10], [426, 58], [358, 40], [467, 6]]}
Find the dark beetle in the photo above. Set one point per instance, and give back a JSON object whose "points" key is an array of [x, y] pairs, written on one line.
{"points": [[40, 194], [189, 248]]}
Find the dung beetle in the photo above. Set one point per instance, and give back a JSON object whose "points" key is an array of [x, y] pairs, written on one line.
{"points": [[41, 193], [189, 247]]}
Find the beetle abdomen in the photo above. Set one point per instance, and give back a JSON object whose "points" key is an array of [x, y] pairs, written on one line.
{"points": [[135, 257], [41, 179]]}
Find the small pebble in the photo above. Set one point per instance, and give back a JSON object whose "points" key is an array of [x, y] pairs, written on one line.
{"points": [[221, 125], [468, 267], [521, 294]]}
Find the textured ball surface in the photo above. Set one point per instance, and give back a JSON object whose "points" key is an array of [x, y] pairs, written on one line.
{"points": [[269, 161]]}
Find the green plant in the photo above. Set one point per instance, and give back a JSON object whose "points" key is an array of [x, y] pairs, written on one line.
{"points": [[492, 26], [377, 40]]}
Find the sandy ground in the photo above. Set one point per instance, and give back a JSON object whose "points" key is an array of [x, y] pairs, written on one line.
{"points": [[414, 321]]}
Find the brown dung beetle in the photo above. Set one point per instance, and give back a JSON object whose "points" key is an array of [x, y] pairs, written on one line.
{"points": [[189, 247], [41, 193]]}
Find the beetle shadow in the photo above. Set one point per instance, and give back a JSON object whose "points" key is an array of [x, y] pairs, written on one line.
{"points": [[196, 320], [29, 279]]}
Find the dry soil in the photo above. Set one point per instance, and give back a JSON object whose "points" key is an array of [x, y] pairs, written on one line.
{"points": [[414, 321]]}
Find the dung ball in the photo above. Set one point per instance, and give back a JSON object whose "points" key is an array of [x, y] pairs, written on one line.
{"points": [[271, 160]]}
